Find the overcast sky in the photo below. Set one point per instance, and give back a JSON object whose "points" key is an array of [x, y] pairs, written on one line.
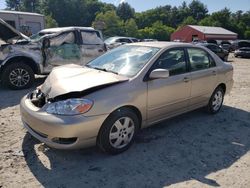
{"points": [[212, 5]]}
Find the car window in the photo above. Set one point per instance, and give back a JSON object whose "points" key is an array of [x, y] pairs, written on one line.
{"points": [[125, 40], [64, 38], [198, 59], [211, 61], [91, 37], [134, 40], [173, 60]]}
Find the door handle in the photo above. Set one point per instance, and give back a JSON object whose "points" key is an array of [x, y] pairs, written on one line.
{"points": [[186, 79]]}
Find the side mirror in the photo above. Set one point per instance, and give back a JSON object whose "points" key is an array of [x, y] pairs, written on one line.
{"points": [[159, 73]]}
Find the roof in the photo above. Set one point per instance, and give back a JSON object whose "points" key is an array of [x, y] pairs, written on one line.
{"points": [[19, 12], [212, 30], [60, 29], [161, 44], [121, 37]]}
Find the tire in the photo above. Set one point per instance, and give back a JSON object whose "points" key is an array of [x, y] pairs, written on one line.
{"points": [[115, 137], [18, 76], [216, 101]]}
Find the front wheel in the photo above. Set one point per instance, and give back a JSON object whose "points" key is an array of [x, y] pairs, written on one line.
{"points": [[216, 101], [18, 76], [118, 131]]}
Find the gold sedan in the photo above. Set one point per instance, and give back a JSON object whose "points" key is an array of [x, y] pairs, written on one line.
{"points": [[131, 87]]}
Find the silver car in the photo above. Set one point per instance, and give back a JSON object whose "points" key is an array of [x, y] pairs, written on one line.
{"points": [[131, 87], [22, 57]]}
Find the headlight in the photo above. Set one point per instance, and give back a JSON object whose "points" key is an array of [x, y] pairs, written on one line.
{"points": [[70, 107]]}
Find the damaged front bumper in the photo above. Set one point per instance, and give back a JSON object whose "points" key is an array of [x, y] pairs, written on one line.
{"points": [[57, 131]]}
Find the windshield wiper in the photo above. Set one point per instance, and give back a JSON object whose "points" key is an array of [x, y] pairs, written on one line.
{"points": [[101, 69]]}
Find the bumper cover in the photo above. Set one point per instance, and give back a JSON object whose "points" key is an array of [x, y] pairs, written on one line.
{"points": [[46, 127]]}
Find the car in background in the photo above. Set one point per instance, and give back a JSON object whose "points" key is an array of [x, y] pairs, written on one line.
{"points": [[226, 47], [114, 42], [148, 40], [223, 54], [22, 57], [128, 88], [240, 44], [242, 52]]}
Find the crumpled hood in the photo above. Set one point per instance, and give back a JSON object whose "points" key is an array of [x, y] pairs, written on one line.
{"points": [[75, 78], [7, 32]]}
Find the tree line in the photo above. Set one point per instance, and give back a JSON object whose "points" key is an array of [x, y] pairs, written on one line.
{"points": [[157, 23]]}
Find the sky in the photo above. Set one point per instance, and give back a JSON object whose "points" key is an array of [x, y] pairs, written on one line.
{"points": [[212, 5]]}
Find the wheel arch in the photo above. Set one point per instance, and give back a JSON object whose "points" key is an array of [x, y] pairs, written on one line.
{"points": [[223, 86], [130, 107], [133, 109], [26, 60]]}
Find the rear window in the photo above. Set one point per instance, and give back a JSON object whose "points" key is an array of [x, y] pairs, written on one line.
{"points": [[199, 59], [91, 37]]}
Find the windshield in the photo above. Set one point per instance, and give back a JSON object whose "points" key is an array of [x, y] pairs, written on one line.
{"points": [[124, 60], [40, 35]]}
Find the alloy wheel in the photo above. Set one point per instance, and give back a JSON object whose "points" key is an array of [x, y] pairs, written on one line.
{"points": [[121, 133], [217, 100], [19, 77]]}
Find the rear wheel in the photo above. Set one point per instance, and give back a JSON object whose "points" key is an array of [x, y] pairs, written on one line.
{"points": [[216, 100], [18, 76], [118, 131]]}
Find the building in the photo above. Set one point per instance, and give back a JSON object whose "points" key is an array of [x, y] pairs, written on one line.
{"points": [[190, 33], [24, 21]]}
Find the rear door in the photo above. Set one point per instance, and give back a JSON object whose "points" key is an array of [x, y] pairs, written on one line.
{"points": [[203, 76], [91, 45], [61, 49]]}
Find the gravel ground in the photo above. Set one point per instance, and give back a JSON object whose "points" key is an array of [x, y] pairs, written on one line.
{"points": [[191, 150]]}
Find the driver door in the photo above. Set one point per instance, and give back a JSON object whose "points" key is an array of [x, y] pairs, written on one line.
{"points": [[62, 49], [169, 96]]}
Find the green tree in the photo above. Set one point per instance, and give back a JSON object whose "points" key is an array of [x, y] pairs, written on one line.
{"points": [[113, 25], [198, 10], [247, 34], [222, 18], [24, 5], [125, 11], [158, 31], [130, 28], [108, 7], [50, 22], [13, 4], [72, 12], [30, 5], [189, 21], [207, 21]]}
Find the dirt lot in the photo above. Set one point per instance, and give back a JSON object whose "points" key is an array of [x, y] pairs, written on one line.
{"points": [[192, 150]]}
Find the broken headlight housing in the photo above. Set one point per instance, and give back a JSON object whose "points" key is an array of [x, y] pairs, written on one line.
{"points": [[70, 107]]}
